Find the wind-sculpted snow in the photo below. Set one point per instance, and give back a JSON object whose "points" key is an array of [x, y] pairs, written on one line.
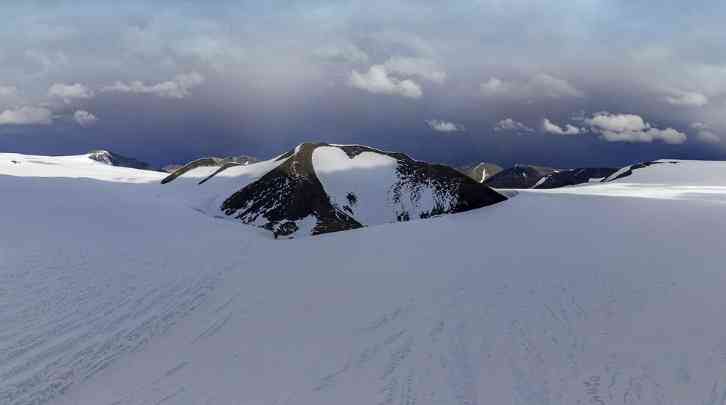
{"points": [[118, 291]]}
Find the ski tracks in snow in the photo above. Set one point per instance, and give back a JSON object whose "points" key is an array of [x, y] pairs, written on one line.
{"points": [[61, 328], [455, 347]]}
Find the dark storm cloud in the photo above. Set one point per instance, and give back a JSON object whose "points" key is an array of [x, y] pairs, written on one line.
{"points": [[174, 80]]}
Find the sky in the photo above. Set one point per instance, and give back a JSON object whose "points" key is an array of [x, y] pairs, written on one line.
{"points": [[565, 84]]}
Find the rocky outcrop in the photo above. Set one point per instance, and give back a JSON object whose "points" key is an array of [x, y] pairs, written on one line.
{"points": [[571, 177], [481, 171], [519, 176], [114, 159], [294, 195]]}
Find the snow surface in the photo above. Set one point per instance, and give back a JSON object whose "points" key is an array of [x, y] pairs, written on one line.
{"points": [[670, 179], [370, 178], [209, 196], [113, 290]]}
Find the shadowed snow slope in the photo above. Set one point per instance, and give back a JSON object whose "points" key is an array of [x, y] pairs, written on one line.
{"points": [[321, 188], [114, 290]]}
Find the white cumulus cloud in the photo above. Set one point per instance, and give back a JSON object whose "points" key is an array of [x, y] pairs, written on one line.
{"points": [[378, 81], [27, 115], [537, 87], [179, 87], [552, 128], [84, 118], [423, 68], [631, 128], [69, 92], [509, 124], [444, 126]]}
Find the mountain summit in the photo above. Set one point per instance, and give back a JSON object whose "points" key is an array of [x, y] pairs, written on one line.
{"points": [[319, 188]]}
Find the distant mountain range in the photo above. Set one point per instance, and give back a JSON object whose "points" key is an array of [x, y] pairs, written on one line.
{"points": [[481, 171], [115, 159], [529, 176], [319, 188]]}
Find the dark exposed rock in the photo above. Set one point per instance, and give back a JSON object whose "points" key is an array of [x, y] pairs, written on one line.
{"points": [[223, 164], [242, 159], [519, 176], [210, 161], [288, 193], [571, 177], [171, 168], [292, 192], [114, 159]]}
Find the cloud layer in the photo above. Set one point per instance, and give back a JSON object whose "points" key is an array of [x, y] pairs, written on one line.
{"points": [[632, 128], [509, 124], [686, 98], [425, 69], [552, 128], [705, 134], [257, 89], [444, 126], [26, 116], [179, 87], [69, 92], [377, 80], [540, 86], [84, 118]]}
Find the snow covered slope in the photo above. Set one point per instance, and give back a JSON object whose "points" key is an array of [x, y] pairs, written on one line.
{"points": [[320, 188], [87, 166], [114, 290], [663, 179]]}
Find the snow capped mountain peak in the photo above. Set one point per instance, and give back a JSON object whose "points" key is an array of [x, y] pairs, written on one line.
{"points": [[318, 188]]}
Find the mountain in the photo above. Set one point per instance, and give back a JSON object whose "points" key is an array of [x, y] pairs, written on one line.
{"points": [[481, 171], [114, 159], [519, 176], [571, 177], [171, 168], [319, 188], [115, 289], [240, 160]]}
